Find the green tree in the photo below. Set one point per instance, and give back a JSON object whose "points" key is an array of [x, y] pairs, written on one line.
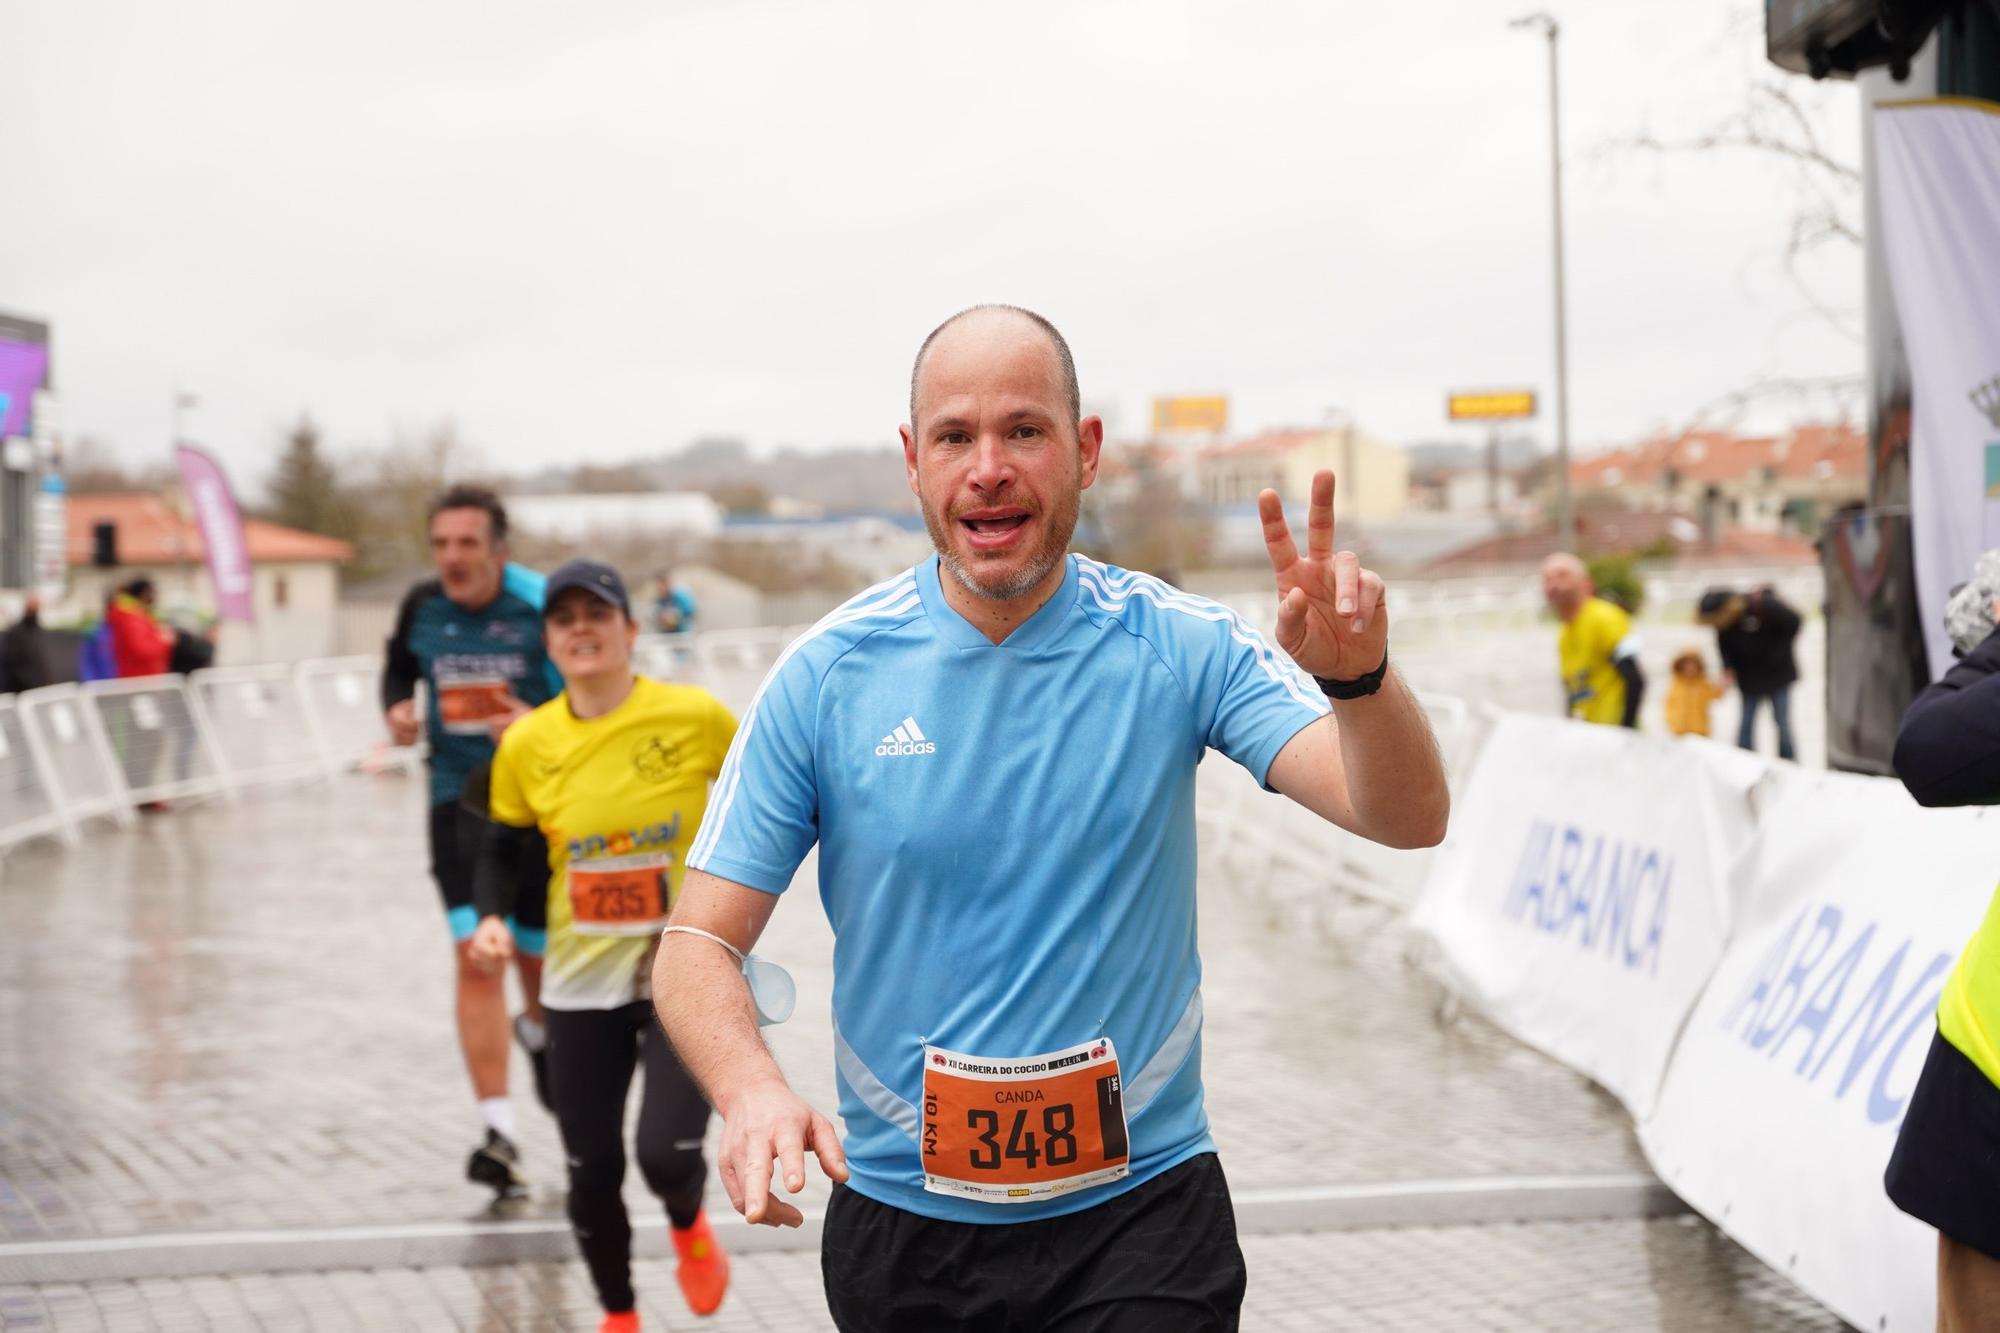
{"points": [[1617, 581], [305, 490], [392, 508]]}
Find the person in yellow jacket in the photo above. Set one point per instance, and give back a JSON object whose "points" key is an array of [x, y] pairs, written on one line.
{"points": [[1946, 1166], [1689, 695], [1597, 651]]}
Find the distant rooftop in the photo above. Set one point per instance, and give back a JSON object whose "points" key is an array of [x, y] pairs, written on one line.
{"points": [[1820, 451], [1632, 530], [152, 532]]}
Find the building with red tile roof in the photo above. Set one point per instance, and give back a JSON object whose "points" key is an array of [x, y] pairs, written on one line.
{"points": [[1789, 482], [152, 532], [295, 574]]}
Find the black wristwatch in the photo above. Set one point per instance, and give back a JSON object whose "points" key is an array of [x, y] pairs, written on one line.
{"points": [[1358, 688]]}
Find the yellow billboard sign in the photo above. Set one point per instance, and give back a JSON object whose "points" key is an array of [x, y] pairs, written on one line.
{"points": [[1210, 413], [1501, 405]]}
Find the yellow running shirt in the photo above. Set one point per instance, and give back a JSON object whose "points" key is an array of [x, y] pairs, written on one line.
{"points": [[618, 799], [1587, 649]]}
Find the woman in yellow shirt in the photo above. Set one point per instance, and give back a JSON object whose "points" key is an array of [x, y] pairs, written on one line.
{"points": [[611, 777]]}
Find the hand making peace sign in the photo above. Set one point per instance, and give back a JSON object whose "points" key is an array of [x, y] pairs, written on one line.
{"points": [[1332, 617]]}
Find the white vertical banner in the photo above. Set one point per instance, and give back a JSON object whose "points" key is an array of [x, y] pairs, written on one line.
{"points": [[1938, 182], [1781, 1106], [1581, 898]]}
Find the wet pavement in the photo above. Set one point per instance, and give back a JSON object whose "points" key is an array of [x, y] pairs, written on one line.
{"points": [[1673, 1274], [237, 1017]]}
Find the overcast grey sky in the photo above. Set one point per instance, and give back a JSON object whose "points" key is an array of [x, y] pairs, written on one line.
{"points": [[593, 231]]}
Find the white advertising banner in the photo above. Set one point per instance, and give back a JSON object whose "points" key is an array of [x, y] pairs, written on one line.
{"points": [[1581, 897], [1938, 180], [1781, 1106]]}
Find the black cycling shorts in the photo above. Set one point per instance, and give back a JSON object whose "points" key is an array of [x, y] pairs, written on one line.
{"points": [[1946, 1167], [456, 833], [1161, 1258]]}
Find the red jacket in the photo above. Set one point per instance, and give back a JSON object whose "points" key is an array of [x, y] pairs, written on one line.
{"points": [[140, 645]]}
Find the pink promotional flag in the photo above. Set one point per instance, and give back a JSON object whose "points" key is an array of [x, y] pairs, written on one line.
{"points": [[221, 525]]}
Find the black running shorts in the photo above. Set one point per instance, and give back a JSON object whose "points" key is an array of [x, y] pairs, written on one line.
{"points": [[1946, 1167], [455, 836], [1161, 1258]]}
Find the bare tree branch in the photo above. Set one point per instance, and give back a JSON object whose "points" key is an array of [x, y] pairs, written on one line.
{"points": [[1775, 123], [1741, 135], [1842, 391]]}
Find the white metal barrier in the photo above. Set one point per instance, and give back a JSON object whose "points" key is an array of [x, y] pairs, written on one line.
{"points": [[72, 753], [340, 699], [78, 769], [1295, 857], [161, 738], [664, 656], [739, 650], [260, 723], [26, 808]]}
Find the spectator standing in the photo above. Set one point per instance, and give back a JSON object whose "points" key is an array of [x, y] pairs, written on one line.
{"points": [[140, 645], [192, 651], [1598, 652], [24, 663], [674, 607], [1754, 634]]}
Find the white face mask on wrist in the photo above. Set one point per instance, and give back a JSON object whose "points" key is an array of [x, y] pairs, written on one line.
{"points": [[772, 990]]}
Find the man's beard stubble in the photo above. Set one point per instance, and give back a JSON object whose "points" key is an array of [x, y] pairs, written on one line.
{"points": [[1058, 525]]}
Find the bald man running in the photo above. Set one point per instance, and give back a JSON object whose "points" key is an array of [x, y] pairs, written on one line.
{"points": [[995, 752]]}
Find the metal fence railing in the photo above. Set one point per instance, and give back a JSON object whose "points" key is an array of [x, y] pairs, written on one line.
{"points": [[70, 754], [1294, 856], [260, 723], [159, 735], [79, 773], [340, 701], [27, 810]]}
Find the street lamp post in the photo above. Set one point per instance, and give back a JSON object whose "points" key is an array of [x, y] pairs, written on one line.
{"points": [[1565, 514]]}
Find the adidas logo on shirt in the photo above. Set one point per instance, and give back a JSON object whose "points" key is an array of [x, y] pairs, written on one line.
{"points": [[907, 738]]}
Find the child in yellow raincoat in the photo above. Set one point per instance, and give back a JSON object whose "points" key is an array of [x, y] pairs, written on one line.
{"points": [[1689, 695]]}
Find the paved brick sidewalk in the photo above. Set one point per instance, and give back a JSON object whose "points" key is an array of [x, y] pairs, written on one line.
{"points": [[1668, 1274]]}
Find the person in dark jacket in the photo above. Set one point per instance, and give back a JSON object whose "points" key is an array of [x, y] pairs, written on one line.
{"points": [[24, 663], [1753, 634], [1945, 1169], [191, 652]]}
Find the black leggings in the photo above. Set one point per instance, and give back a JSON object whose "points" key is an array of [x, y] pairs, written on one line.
{"points": [[591, 1056]]}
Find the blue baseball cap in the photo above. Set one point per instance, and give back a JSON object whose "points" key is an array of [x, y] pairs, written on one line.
{"points": [[594, 577]]}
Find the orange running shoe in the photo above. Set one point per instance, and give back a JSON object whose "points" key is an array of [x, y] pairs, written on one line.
{"points": [[625, 1321], [704, 1268]]}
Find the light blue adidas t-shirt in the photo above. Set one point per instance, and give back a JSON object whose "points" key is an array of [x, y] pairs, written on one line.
{"points": [[1007, 841]]}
